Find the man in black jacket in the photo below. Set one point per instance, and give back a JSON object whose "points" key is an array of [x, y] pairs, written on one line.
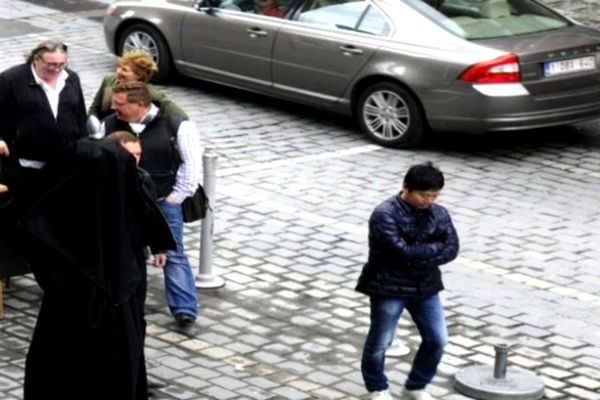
{"points": [[42, 112], [409, 238]]}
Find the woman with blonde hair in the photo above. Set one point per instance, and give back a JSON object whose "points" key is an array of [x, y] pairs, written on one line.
{"points": [[133, 66]]}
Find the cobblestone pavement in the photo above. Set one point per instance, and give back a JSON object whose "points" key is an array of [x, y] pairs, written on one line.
{"points": [[294, 190]]}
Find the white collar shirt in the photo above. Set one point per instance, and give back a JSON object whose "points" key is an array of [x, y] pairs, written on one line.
{"points": [[53, 95]]}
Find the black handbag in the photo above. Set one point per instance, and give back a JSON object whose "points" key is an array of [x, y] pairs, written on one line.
{"points": [[195, 207]]}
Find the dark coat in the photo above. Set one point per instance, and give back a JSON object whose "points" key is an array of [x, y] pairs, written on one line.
{"points": [[26, 120], [160, 154], [84, 232], [406, 248]]}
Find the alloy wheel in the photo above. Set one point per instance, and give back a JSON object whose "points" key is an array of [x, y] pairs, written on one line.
{"points": [[139, 40], [386, 115]]}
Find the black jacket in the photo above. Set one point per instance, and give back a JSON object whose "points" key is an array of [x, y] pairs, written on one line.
{"points": [[406, 248], [26, 120]]}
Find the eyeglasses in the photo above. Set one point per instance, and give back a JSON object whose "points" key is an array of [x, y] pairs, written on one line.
{"points": [[54, 66]]}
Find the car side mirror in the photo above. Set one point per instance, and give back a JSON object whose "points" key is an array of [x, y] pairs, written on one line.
{"points": [[207, 5]]}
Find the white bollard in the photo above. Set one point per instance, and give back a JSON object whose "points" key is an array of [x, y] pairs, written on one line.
{"points": [[205, 278]]}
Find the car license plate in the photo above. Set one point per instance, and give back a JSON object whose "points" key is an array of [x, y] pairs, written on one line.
{"points": [[569, 66]]}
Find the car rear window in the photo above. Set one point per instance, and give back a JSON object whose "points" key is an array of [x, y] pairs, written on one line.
{"points": [[485, 19]]}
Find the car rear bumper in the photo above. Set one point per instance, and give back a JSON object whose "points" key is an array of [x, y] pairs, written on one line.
{"points": [[477, 113]]}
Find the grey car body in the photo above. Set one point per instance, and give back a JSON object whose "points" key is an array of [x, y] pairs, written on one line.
{"points": [[401, 67]]}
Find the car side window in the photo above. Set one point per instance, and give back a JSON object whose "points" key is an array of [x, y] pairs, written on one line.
{"points": [[271, 8], [374, 23], [351, 15]]}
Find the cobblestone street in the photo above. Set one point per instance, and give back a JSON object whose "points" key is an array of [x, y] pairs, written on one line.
{"points": [[295, 188]]}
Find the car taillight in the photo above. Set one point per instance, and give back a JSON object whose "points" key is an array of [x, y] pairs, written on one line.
{"points": [[504, 69]]}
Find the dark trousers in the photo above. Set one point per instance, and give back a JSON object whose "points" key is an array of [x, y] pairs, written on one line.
{"points": [[24, 185]]}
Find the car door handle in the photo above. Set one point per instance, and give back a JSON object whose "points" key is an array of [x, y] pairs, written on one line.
{"points": [[349, 50], [256, 32]]}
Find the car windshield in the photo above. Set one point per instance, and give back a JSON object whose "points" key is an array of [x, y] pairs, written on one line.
{"points": [[485, 19]]}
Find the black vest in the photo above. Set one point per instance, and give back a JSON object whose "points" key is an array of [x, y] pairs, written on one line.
{"points": [[160, 156]]}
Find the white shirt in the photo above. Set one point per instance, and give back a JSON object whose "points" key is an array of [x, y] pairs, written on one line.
{"points": [[53, 95]]}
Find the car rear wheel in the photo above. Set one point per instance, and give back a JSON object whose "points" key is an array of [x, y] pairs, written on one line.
{"points": [[390, 115], [146, 38]]}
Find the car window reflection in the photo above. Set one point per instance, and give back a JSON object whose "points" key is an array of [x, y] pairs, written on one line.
{"points": [[346, 15], [483, 19], [270, 8]]}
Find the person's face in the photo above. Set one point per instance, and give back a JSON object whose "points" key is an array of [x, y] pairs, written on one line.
{"points": [[135, 148], [420, 199], [126, 74], [49, 65], [126, 111]]}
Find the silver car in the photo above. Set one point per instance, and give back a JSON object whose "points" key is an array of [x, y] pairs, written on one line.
{"points": [[400, 67]]}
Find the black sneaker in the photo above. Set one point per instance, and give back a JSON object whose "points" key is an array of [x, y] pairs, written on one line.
{"points": [[184, 320]]}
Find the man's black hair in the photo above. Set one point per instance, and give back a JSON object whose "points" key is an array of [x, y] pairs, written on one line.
{"points": [[424, 177]]}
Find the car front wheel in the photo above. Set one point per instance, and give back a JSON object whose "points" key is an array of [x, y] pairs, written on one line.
{"points": [[146, 38], [390, 115]]}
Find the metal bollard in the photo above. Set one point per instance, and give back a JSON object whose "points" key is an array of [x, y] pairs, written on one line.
{"points": [[205, 278], [501, 360], [505, 384]]}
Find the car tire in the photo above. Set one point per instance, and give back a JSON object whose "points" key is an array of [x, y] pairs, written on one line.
{"points": [[146, 38], [390, 115]]}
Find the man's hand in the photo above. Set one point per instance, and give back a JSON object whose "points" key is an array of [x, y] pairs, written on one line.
{"points": [[160, 260], [4, 149], [169, 199]]}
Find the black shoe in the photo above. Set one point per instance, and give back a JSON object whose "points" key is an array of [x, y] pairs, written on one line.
{"points": [[184, 320]]}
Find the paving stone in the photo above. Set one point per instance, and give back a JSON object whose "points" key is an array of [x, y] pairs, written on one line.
{"points": [[326, 393], [295, 367], [589, 372], [255, 393], [6, 383], [582, 393], [193, 383], [553, 383], [303, 385], [555, 373], [202, 373], [291, 393], [585, 382], [219, 392]]}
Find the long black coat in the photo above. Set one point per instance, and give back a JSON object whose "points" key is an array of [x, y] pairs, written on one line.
{"points": [[85, 237]]}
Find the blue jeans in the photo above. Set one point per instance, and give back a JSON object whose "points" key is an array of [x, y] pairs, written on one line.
{"points": [[180, 284], [428, 315]]}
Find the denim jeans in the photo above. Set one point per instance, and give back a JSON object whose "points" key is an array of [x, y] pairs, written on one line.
{"points": [[180, 284], [428, 315]]}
